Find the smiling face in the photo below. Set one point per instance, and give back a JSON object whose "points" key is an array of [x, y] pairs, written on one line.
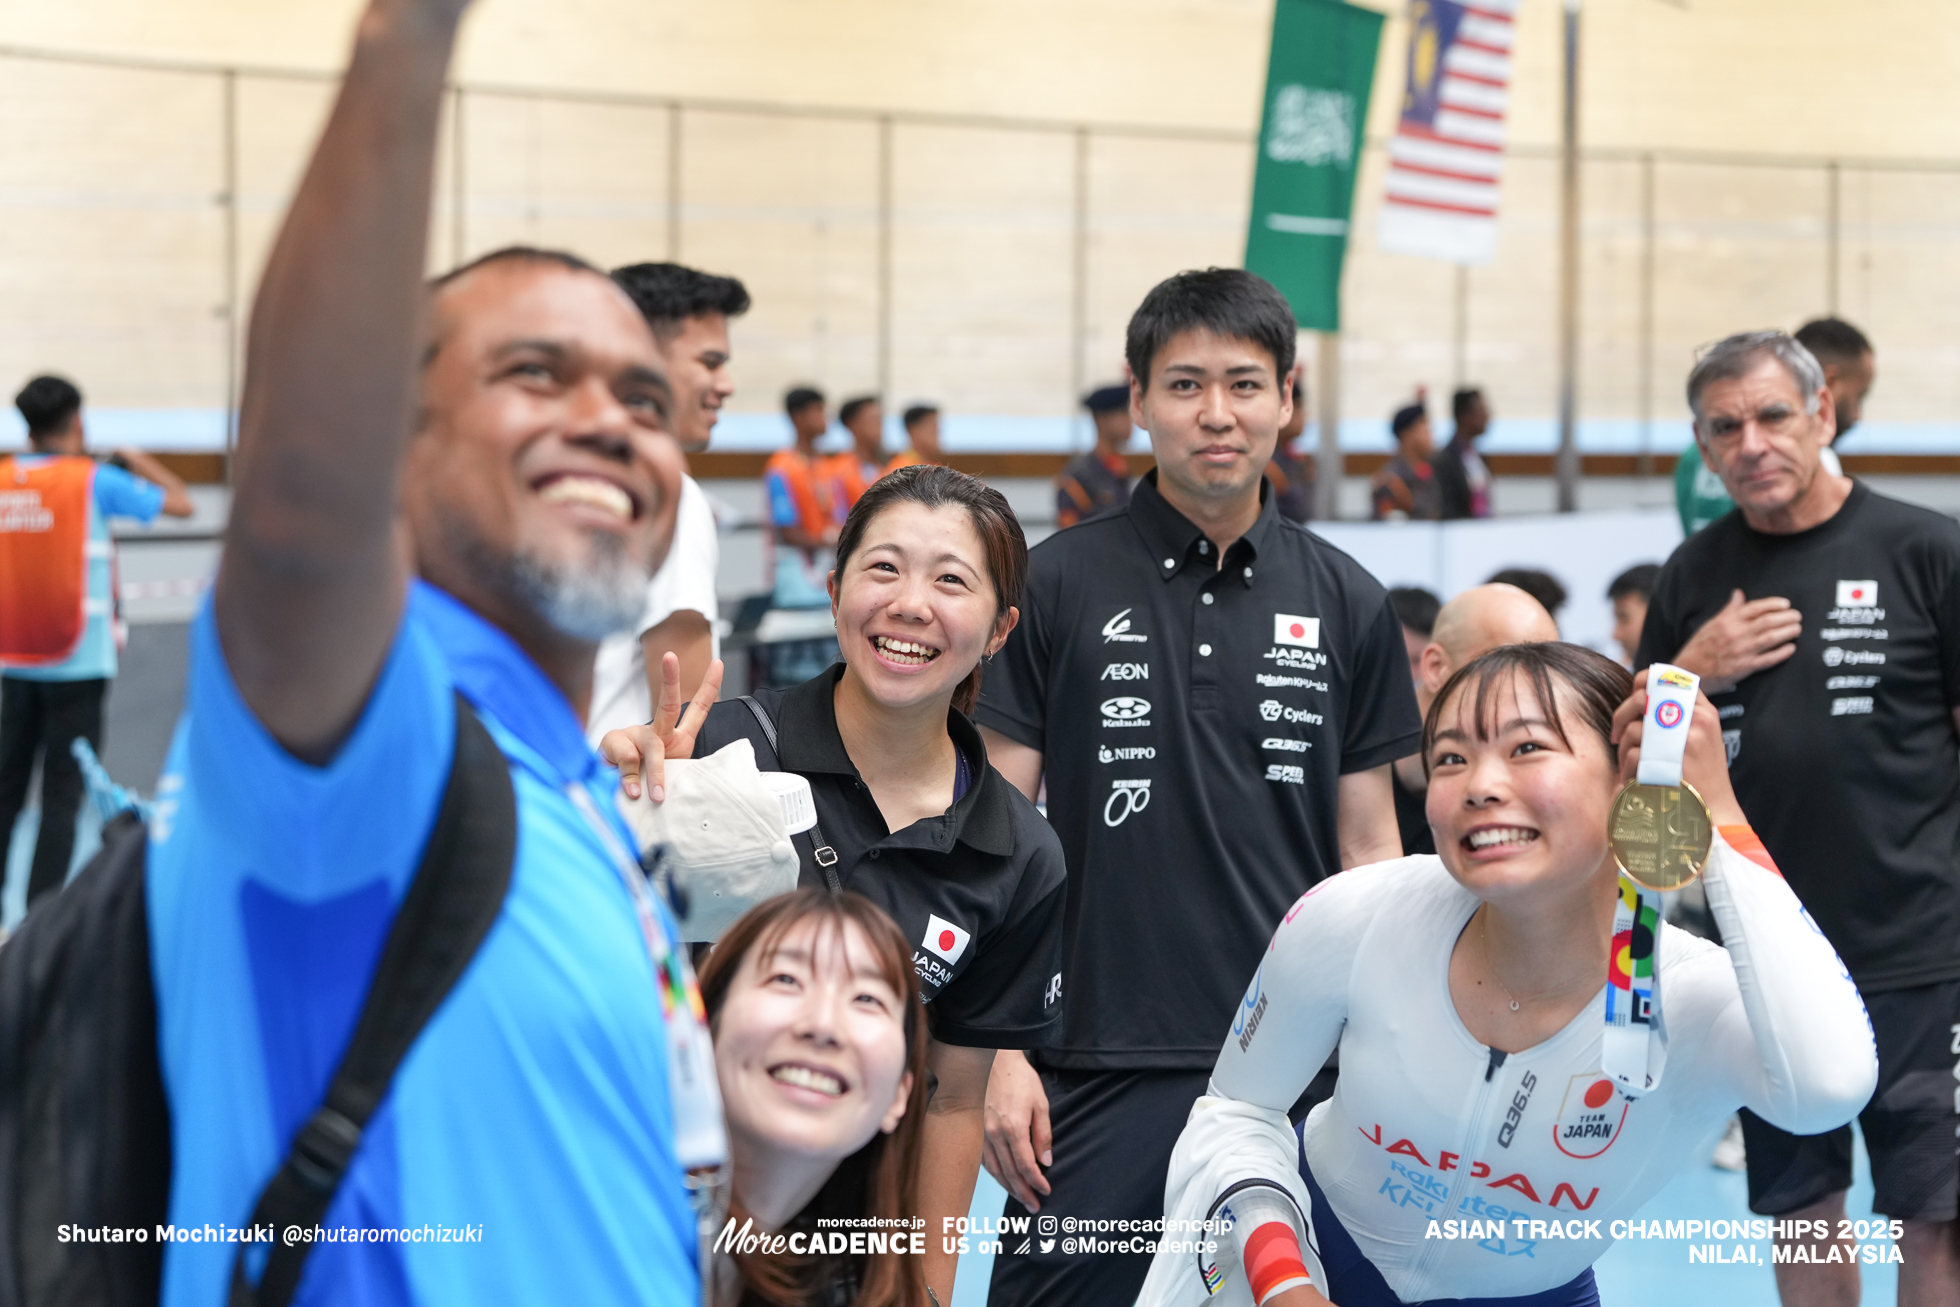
{"points": [[915, 606], [696, 357], [810, 1045], [1213, 407], [541, 485], [1519, 811]]}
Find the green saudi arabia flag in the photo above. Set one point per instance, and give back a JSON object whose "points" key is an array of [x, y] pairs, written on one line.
{"points": [[1317, 84]]}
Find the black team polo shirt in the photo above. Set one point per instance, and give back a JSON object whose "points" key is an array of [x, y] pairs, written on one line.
{"points": [[976, 891], [1195, 722]]}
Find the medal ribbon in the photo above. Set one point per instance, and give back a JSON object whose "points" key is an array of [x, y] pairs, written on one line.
{"points": [[1635, 1049]]}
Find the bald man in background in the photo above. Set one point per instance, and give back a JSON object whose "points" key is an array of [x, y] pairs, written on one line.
{"points": [[1475, 622]]}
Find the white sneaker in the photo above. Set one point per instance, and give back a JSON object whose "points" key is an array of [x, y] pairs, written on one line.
{"points": [[1728, 1154]]}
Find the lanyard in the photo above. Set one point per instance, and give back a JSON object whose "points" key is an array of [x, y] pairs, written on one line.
{"points": [[700, 1140]]}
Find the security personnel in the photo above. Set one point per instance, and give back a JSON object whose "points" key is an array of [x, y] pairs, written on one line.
{"points": [[1215, 696], [1099, 479]]}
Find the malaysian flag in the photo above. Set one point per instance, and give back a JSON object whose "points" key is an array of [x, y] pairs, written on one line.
{"points": [[1448, 150]]}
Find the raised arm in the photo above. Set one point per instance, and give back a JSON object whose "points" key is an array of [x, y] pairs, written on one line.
{"points": [[314, 571]]}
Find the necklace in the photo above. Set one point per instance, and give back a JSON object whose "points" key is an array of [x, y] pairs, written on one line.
{"points": [[1483, 934]]}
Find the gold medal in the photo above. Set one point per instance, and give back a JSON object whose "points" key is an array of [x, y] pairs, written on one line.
{"points": [[1660, 834]]}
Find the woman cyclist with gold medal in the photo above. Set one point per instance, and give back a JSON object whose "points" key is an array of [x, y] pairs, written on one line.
{"points": [[1527, 1055]]}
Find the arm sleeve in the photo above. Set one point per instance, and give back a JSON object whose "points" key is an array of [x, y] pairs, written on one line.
{"points": [[782, 504], [1008, 997], [1014, 687], [1796, 1045], [123, 494], [1292, 1014], [1382, 722], [1274, 1243], [686, 580]]}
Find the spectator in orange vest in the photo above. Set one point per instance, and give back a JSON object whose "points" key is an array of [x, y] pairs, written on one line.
{"points": [[922, 430], [797, 485], [1407, 487], [57, 608]]}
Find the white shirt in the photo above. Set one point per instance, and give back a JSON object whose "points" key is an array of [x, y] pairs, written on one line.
{"points": [[1427, 1125], [684, 583]]}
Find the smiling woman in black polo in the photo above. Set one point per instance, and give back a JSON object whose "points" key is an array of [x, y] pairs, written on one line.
{"points": [[929, 570]]}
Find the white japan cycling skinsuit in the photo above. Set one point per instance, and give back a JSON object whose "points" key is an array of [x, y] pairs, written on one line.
{"points": [[1428, 1125]]}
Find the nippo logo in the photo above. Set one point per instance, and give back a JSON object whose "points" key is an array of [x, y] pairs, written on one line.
{"points": [[945, 939], [1668, 714]]}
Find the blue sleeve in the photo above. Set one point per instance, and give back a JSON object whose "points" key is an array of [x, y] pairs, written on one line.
{"points": [[319, 831], [123, 494], [782, 504]]}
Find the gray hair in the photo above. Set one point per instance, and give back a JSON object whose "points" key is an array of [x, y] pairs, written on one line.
{"points": [[1739, 355]]}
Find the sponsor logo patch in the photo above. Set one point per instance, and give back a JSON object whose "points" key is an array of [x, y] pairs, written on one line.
{"points": [[1272, 710], [1118, 628], [1854, 706], [1590, 1117], [1125, 798], [1281, 744], [1287, 772], [1126, 672], [1271, 682], [1836, 655], [1126, 710], [1132, 754]]}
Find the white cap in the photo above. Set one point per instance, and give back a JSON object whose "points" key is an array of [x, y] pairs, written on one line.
{"points": [[725, 827]]}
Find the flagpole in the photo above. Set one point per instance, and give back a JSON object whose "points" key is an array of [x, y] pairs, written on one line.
{"points": [[1568, 275]]}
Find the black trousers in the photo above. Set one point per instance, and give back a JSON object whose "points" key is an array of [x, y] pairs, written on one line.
{"points": [[42, 718]]}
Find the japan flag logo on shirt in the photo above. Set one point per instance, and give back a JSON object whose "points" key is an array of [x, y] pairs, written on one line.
{"points": [[1857, 594], [1301, 631], [945, 939]]}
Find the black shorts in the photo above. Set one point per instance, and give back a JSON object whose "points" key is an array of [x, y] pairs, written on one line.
{"points": [[1912, 1124]]}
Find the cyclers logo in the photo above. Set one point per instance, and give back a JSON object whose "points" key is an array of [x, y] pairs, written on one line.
{"points": [[1126, 710], [1118, 627], [1589, 1119], [1125, 797]]}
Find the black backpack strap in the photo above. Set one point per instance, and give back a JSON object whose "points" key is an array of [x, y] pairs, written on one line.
{"points": [[456, 895], [820, 850]]}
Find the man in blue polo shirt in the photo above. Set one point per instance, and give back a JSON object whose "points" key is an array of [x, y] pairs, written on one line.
{"points": [[396, 541]]}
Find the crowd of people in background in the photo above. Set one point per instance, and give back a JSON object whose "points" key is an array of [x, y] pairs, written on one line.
{"points": [[500, 555]]}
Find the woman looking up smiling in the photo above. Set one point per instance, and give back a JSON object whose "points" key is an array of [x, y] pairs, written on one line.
{"points": [[909, 812], [1468, 994], [820, 1050]]}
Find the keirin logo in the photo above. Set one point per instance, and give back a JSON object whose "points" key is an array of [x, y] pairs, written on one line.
{"points": [[1117, 628], [1125, 797]]}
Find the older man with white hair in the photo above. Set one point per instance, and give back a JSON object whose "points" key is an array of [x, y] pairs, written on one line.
{"points": [[1842, 747], [1475, 622]]}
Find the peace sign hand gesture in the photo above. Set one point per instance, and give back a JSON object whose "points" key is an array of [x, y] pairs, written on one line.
{"points": [[643, 750]]}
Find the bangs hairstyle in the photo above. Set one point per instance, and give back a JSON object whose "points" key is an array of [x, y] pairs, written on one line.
{"points": [[879, 1180], [1599, 685], [993, 520]]}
